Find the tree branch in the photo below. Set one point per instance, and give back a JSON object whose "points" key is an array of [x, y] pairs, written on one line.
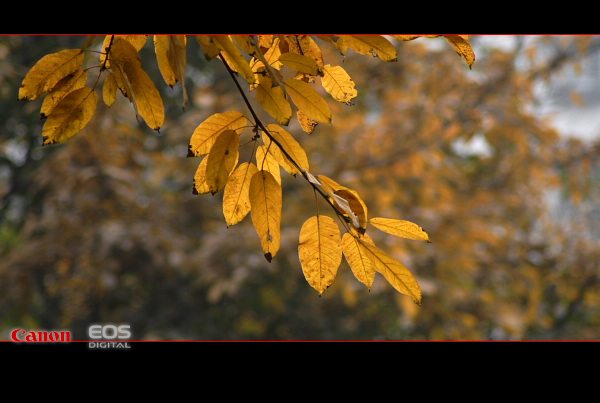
{"points": [[305, 174]]}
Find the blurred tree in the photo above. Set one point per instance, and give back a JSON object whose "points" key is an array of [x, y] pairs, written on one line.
{"points": [[110, 231]]}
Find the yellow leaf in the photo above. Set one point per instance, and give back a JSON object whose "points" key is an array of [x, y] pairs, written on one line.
{"points": [[266, 203], [205, 134], [290, 145], [300, 63], [273, 100], [200, 185], [370, 45], [136, 41], [161, 48], [265, 41], [338, 83], [236, 197], [267, 63], [48, 71], [261, 68], [346, 200], [265, 161], [308, 125], [234, 57], [405, 37], [248, 43], [123, 53], [308, 100], [329, 185], [401, 228], [178, 61], [272, 55], [358, 259], [320, 251], [411, 37], [461, 45], [135, 83], [146, 96], [109, 90], [393, 271], [328, 38], [70, 116], [307, 46], [357, 206], [209, 47], [68, 84], [222, 159], [171, 57]]}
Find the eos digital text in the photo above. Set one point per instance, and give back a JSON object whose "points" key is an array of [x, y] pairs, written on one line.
{"points": [[109, 336]]}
